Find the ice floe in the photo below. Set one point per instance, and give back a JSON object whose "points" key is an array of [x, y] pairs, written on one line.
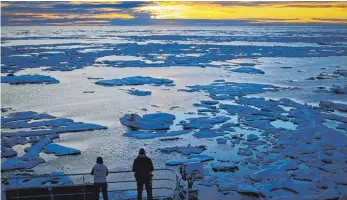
{"points": [[136, 80], [228, 90], [248, 70], [39, 129], [156, 121], [29, 79], [59, 150], [139, 92], [190, 159], [154, 134], [197, 123], [185, 150], [224, 167]]}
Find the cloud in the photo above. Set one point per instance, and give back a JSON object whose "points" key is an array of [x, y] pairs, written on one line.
{"points": [[141, 13]]}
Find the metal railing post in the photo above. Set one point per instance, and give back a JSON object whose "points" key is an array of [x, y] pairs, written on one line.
{"points": [[84, 188], [187, 193], [177, 187], [50, 188], [17, 187]]}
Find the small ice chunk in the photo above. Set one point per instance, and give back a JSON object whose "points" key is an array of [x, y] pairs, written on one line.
{"points": [[139, 93], [252, 137], [224, 167], [248, 70]]}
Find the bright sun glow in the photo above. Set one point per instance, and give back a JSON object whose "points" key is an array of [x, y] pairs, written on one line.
{"points": [[267, 12]]}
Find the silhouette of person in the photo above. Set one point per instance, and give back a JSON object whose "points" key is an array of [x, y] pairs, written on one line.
{"points": [[100, 172], [143, 168]]}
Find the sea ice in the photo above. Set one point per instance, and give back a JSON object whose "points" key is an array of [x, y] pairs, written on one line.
{"points": [[190, 159], [228, 90], [156, 121], [224, 167], [30, 79], [252, 137], [139, 92], [185, 150], [31, 158], [155, 134], [136, 80], [248, 70], [59, 150], [196, 123]]}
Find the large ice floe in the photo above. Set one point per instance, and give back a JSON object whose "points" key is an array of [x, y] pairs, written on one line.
{"points": [[59, 150], [40, 129], [222, 90], [150, 126], [28, 79], [156, 121], [136, 80]]}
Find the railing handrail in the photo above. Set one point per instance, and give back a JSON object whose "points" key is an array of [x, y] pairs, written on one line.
{"points": [[175, 189], [80, 174]]}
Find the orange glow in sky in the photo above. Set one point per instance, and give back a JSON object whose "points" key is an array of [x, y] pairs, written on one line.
{"points": [[267, 12], [106, 11]]}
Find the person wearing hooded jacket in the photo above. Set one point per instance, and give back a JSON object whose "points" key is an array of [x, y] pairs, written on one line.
{"points": [[100, 172], [143, 168]]}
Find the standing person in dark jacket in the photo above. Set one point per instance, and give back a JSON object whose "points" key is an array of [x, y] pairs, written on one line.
{"points": [[100, 172], [143, 168]]}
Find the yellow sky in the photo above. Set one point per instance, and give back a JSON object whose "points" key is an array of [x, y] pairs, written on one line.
{"points": [[256, 12], [272, 12]]}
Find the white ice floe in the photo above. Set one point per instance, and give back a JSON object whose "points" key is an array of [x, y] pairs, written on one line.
{"points": [[228, 90], [155, 134], [136, 80], [190, 159], [248, 70], [59, 150], [156, 121], [40, 130], [196, 123], [31, 158]]}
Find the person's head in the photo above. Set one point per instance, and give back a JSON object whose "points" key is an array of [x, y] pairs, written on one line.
{"points": [[142, 152], [99, 160]]}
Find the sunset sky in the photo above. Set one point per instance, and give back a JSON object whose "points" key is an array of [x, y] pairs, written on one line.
{"points": [[146, 13]]}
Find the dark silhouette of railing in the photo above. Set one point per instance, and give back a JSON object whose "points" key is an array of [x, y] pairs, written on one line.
{"points": [[171, 182]]}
